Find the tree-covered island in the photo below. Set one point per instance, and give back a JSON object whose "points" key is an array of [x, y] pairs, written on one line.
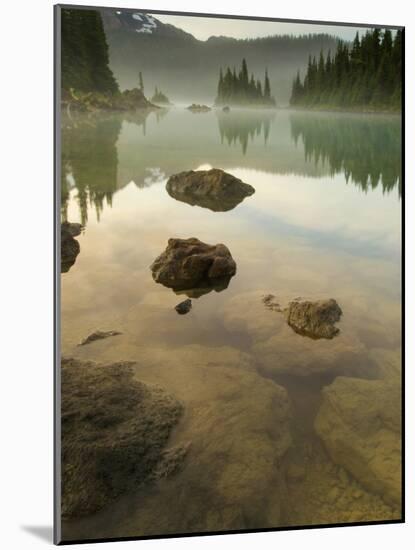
{"points": [[243, 90]]}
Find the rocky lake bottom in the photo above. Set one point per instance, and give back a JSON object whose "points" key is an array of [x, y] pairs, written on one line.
{"points": [[247, 418]]}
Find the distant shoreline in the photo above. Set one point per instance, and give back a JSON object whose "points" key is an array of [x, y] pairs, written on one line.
{"points": [[349, 111]]}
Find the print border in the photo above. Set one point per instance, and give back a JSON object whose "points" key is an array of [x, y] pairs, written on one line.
{"points": [[57, 287]]}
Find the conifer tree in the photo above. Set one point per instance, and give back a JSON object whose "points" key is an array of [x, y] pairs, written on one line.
{"points": [[267, 87], [240, 89], [85, 61], [369, 73]]}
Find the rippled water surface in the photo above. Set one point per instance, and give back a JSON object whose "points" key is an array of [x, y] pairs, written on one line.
{"points": [[324, 222]]}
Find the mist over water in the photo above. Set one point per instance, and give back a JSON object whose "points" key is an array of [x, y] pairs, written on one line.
{"points": [[324, 222]]}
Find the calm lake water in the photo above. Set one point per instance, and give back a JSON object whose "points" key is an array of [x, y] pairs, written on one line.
{"points": [[325, 221]]}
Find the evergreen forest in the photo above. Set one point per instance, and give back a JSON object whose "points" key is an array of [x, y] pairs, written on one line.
{"points": [[85, 64], [366, 74], [241, 89]]}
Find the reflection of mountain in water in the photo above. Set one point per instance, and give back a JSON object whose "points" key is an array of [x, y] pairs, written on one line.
{"points": [[89, 163], [241, 127], [367, 150]]}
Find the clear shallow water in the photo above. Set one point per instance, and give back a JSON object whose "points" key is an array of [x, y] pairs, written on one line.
{"points": [[324, 222]]}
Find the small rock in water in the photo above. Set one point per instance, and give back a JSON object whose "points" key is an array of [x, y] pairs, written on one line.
{"points": [[70, 247], [98, 335], [196, 108], [73, 228], [314, 319], [269, 301], [184, 307]]}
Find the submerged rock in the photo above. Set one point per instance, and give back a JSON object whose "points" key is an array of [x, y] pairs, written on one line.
{"points": [[114, 433], [196, 108], [184, 307], [191, 265], [279, 350], [239, 426], [226, 109], [314, 319], [360, 424], [98, 335], [70, 247], [270, 302], [171, 461], [213, 189]]}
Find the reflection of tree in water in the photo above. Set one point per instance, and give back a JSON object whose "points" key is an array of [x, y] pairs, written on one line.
{"points": [[160, 114], [368, 151], [89, 163], [239, 127]]}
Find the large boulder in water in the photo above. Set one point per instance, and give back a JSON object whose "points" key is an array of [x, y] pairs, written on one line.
{"points": [[314, 319], [70, 247], [191, 265], [114, 433], [213, 189]]}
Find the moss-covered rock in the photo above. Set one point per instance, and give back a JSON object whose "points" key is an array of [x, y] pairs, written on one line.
{"points": [[238, 425], [114, 433]]}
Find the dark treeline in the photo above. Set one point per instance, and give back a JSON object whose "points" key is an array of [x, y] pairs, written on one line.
{"points": [[367, 74], [85, 52], [353, 145], [242, 89], [238, 129]]}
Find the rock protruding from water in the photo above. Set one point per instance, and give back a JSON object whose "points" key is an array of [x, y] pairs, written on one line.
{"points": [[194, 267], [213, 189], [314, 319], [114, 434], [184, 307], [98, 335], [70, 247], [278, 349], [196, 108]]}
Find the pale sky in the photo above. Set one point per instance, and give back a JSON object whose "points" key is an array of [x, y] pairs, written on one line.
{"points": [[204, 27]]}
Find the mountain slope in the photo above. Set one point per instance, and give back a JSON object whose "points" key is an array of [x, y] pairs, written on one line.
{"points": [[187, 68]]}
